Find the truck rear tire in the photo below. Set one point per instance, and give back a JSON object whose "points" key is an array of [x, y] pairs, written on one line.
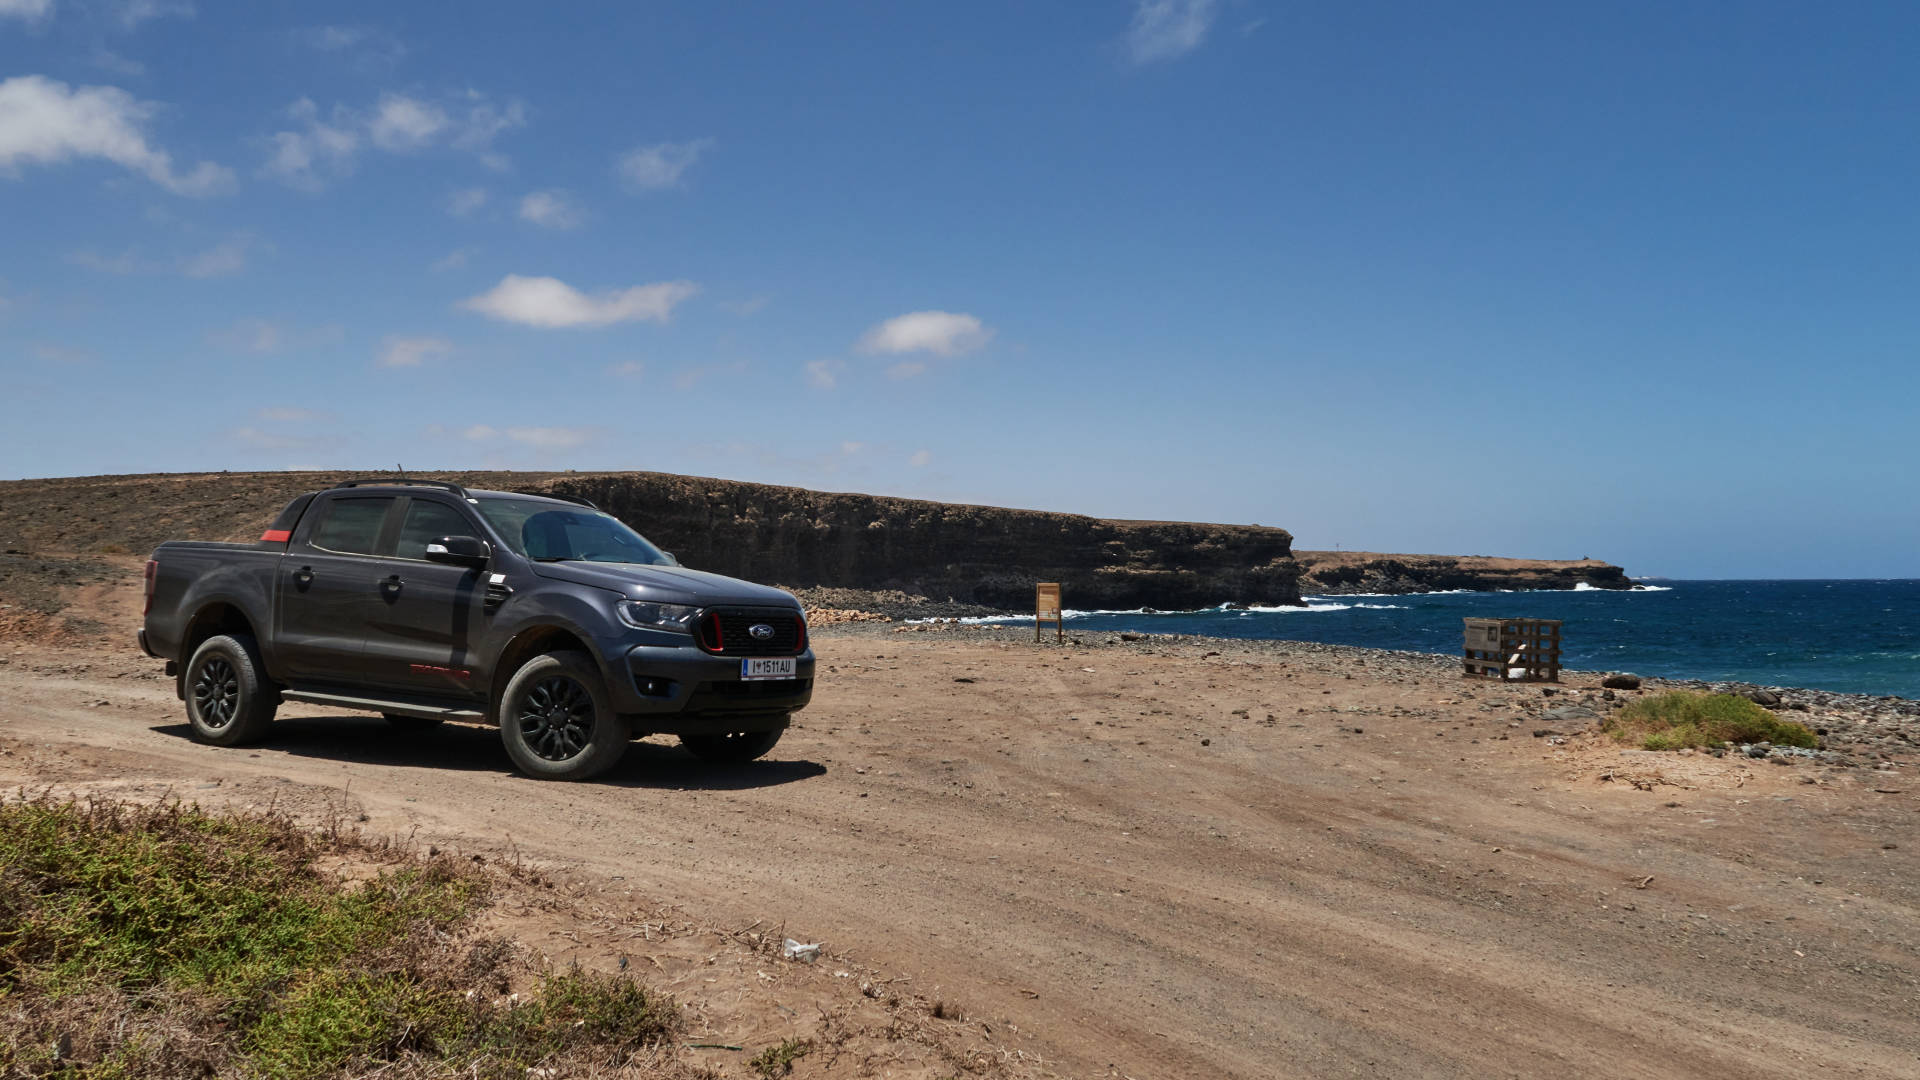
{"points": [[557, 722], [229, 702], [730, 749]]}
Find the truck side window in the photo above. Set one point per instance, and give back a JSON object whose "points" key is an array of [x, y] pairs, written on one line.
{"points": [[427, 522], [352, 525]]}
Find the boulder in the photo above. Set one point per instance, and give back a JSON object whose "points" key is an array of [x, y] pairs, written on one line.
{"points": [[1621, 682]]}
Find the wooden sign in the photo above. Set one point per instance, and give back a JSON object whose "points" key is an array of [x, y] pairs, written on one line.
{"points": [[1046, 608]]}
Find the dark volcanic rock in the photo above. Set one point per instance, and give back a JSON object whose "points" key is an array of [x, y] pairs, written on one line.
{"points": [[1621, 682]]}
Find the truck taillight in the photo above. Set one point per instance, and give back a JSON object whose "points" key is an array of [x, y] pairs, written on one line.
{"points": [[153, 570]]}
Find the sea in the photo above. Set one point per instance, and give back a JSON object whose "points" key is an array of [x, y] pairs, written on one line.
{"points": [[1855, 636]]}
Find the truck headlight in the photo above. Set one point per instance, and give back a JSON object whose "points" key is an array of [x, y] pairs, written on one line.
{"points": [[677, 618]]}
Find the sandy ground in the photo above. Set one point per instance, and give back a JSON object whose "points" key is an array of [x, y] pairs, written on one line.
{"points": [[1151, 859]]}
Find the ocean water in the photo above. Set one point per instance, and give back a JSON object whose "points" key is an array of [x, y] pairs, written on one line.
{"points": [[1856, 636]]}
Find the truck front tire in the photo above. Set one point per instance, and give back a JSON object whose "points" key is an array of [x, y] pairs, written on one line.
{"points": [[229, 702], [731, 749], [557, 721]]}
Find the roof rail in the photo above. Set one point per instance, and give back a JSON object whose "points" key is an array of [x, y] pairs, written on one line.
{"points": [[588, 503], [387, 481]]}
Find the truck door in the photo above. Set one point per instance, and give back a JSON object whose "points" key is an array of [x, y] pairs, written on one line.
{"points": [[325, 581], [427, 622]]}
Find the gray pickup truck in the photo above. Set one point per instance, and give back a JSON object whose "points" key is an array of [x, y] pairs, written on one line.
{"points": [[425, 601]]}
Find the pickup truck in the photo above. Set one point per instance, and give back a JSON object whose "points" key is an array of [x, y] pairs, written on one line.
{"points": [[425, 601]]}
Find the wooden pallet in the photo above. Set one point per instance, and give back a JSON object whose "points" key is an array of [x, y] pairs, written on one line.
{"points": [[1496, 648]]}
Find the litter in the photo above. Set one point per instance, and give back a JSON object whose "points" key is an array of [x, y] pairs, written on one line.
{"points": [[806, 954]]}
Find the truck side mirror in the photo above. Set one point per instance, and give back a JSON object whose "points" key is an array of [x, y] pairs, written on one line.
{"points": [[671, 561], [459, 551]]}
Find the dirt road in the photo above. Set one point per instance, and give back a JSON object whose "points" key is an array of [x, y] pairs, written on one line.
{"points": [[1160, 863]]}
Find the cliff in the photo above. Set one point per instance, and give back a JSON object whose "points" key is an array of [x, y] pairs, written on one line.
{"points": [[789, 536], [1332, 573]]}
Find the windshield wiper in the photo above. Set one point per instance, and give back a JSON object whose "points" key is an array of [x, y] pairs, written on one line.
{"points": [[556, 558]]}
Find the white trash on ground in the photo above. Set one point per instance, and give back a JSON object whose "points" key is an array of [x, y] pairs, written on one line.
{"points": [[806, 954]]}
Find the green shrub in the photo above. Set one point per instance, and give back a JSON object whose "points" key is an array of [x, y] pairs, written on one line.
{"points": [[165, 941], [1680, 719]]}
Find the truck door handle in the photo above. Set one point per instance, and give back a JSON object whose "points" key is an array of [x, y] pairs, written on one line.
{"points": [[391, 586], [303, 577]]}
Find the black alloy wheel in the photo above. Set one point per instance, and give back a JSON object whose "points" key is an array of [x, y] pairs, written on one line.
{"points": [[556, 718], [216, 693]]}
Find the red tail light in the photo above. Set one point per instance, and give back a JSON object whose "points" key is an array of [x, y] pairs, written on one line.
{"points": [[277, 536], [800, 625], [153, 569]]}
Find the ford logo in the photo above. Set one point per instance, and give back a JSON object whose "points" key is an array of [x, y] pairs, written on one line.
{"points": [[760, 631]]}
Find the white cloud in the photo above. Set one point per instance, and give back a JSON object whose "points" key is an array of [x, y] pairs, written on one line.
{"points": [[479, 433], [325, 146], [1168, 29], [372, 43], [652, 168], [919, 458], [550, 302], [264, 337], [485, 121], [454, 260], [404, 123], [109, 61], [44, 122], [824, 374], [549, 438], [396, 351], [466, 201], [132, 13], [745, 307], [943, 333], [26, 9], [287, 414], [229, 257], [552, 209], [627, 369], [62, 354], [124, 263], [907, 369], [852, 448]]}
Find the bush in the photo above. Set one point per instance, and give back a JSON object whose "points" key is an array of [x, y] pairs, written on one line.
{"points": [[141, 941], [1681, 719]]}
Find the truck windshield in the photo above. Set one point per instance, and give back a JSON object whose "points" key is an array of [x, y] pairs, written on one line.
{"points": [[544, 532]]}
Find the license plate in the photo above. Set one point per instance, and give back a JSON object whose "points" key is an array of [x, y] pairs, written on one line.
{"points": [[771, 668]]}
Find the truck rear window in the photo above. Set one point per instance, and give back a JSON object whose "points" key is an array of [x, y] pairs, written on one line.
{"points": [[352, 525]]}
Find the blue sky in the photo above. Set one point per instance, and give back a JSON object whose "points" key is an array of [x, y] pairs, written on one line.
{"points": [[1632, 281]]}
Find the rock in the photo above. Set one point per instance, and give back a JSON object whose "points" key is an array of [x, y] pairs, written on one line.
{"points": [[1758, 750], [1606, 695], [1763, 697], [1621, 682], [1133, 637], [1570, 712]]}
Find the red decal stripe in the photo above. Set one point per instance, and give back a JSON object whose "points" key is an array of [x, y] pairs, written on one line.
{"points": [[277, 536]]}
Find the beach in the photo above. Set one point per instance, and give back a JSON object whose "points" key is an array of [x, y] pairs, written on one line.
{"points": [[1152, 857]]}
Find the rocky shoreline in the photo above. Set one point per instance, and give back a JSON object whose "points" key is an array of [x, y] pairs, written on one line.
{"points": [[1857, 731]]}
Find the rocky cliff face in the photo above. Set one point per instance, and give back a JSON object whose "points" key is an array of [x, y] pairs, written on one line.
{"points": [[1333, 573], [978, 554]]}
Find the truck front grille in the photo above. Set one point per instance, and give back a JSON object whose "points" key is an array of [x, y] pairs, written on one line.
{"points": [[729, 632]]}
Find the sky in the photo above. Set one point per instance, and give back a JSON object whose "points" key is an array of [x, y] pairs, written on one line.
{"points": [[1633, 281]]}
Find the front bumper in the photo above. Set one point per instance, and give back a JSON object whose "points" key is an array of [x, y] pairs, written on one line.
{"points": [[682, 689]]}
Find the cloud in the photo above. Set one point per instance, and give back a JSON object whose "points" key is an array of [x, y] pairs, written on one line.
{"points": [[480, 433], [44, 122], [852, 448], [287, 414], [396, 351], [907, 369], [550, 302], [62, 354], [824, 374], [131, 13], [744, 307], [627, 369], [397, 123], [454, 260], [1168, 29], [263, 337], [113, 62], [552, 209], [691, 377], [656, 167], [325, 146], [26, 9], [229, 257], [404, 123], [370, 42], [943, 333], [466, 201], [549, 438], [124, 263], [920, 458]]}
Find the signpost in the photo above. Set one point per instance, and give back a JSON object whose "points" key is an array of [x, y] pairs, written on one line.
{"points": [[1046, 606]]}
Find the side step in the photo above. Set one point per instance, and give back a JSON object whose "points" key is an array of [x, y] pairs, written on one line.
{"points": [[382, 705]]}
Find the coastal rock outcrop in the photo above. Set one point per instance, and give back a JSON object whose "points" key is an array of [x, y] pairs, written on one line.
{"points": [[1334, 573]]}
